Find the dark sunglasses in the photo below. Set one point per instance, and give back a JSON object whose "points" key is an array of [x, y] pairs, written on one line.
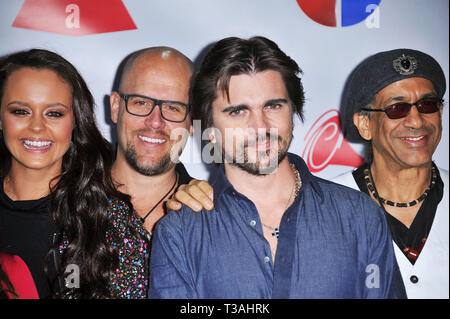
{"points": [[402, 109]]}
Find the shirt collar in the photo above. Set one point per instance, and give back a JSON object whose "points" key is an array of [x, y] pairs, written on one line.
{"points": [[221, 183], [183, 175]]}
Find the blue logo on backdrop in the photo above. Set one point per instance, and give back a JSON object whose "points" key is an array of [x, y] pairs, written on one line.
{"points": [[355, 11], [338, 13]]}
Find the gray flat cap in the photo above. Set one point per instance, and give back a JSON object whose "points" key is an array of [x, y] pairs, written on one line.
{"points": [[378, 71]]}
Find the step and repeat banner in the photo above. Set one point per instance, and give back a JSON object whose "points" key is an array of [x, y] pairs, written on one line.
{"points": [[327, 38]]}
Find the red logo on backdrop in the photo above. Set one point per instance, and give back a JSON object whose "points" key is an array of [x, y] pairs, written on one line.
{"points": [[326, 145], [321, 11], [74, 17]]}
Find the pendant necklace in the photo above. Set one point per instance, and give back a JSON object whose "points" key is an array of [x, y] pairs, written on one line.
{"points": [[296, 185]]}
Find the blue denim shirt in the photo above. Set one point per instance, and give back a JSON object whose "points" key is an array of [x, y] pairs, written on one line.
{"points": [[334, 243]]}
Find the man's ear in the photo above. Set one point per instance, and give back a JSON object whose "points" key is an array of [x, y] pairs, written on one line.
{"points": [[212, 136], [191, 124], [362, 123], [114, 102]]}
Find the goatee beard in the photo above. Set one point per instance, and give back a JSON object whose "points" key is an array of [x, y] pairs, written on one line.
{"points": [[255, 168], [160, 167]]}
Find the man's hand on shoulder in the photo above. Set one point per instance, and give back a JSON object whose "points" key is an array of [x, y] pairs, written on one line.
{"points": [[197, 195]]}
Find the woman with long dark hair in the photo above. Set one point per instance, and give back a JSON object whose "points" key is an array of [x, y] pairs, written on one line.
{"points": [[55, 182]]}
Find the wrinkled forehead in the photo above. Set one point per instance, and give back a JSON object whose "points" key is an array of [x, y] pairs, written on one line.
{"points": [[169, 81], [410, 89]]}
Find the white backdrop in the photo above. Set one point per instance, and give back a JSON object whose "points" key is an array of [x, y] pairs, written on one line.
{"points": [[326, 54]]}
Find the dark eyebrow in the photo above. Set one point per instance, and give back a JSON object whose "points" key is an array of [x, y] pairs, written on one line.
{"points": [[394, 99], [429, 95], [233, 108], [58, 104], [48, 105], [402, 98], [17, 102], [238, 107], [276, 101]]}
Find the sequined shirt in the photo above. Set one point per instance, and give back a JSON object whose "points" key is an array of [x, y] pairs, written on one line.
{"points": [[130, 279]]}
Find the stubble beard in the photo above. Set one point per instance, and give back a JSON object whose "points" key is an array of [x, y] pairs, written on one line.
{"points": [[162, 166], [256, 168]]}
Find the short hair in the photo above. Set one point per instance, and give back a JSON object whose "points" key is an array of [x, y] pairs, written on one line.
{"points": [[234, 56]]}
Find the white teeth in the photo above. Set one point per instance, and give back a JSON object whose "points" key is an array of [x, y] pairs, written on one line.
{"points": [[413, 138], [37, 143], [152, 140]]}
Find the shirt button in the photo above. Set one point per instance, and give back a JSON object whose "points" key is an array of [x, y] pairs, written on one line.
{"points": [[266, 259], [252, 223], [414, 279]]}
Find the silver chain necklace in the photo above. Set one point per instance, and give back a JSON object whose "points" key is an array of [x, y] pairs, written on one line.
{"points": [[296, 185]]}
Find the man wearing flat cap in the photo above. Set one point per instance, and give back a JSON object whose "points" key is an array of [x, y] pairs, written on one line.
{"points": [[393, 101]]}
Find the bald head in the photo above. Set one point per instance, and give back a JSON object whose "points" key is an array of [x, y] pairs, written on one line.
{"points": [[154, 59], [145, 142]]}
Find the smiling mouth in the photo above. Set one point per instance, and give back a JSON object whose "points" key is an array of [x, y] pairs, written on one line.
{"points": [[413, 139], [260, 146], [36, 145], [151, 140]]}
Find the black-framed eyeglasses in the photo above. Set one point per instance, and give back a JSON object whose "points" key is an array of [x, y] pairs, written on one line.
{"points": [[141, 105], [402, 109]]}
